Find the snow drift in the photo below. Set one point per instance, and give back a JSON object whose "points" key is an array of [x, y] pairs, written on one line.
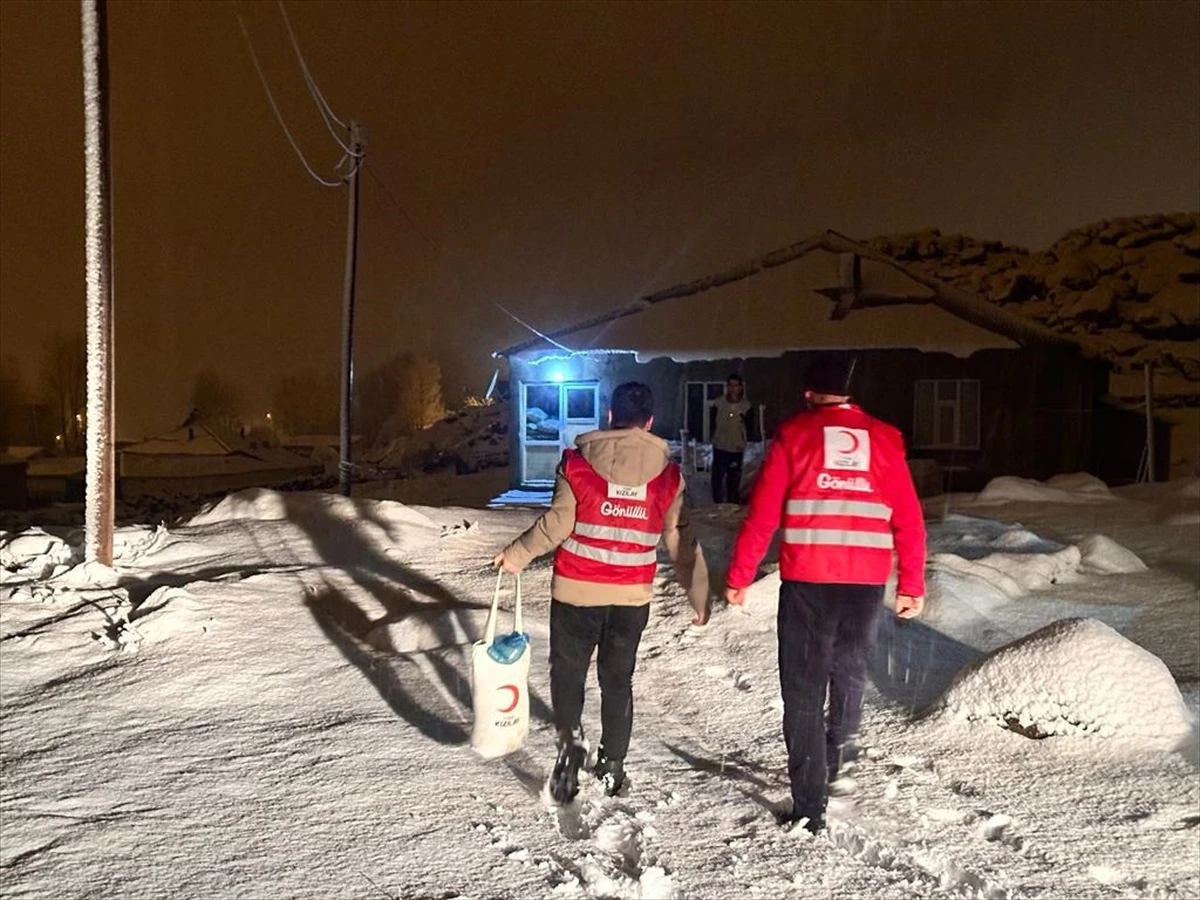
{"points": [[1075, 677], [1077, 487]]}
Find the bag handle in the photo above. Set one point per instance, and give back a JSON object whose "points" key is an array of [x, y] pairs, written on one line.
{"points": [[489, 633]]}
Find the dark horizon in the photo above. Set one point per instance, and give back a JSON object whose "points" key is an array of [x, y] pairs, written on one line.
{"points": [[555, 160]]}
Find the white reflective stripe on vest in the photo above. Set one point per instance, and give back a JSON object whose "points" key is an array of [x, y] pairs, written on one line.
{"points": [[844, 538], [610, 533], [862, 508], [612, 557]]}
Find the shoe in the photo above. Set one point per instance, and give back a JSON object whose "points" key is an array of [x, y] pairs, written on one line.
{"points": [[813, 823], [564, 778], [609, 773]]}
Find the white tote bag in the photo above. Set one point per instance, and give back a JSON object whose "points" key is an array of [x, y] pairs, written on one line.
{"points": [[500, 685]]}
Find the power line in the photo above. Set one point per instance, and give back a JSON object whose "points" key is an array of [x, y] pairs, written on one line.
{"points": [[314, 90], [275, 108], [404, 212]]}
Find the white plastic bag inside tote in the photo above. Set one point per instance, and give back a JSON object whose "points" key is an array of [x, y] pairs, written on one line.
{"points": [[500, 681]]}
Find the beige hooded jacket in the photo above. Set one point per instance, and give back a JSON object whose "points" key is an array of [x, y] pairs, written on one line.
{"points": [[630, 457]]}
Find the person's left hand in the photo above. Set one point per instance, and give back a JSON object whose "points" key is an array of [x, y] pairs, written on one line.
{"points": [[502, 562], [735, 596], [702, 617], [909, 607]]}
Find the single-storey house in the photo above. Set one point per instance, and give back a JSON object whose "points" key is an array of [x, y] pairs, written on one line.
{"points": [[977, 390], [195, 460], [14, 491]]}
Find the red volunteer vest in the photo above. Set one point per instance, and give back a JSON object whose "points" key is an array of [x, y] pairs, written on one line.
{"points": [[836, 522], [617, 528]]}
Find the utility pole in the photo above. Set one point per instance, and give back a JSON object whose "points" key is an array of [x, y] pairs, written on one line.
{"points": [[98, 525], [345, 464], [1151, 448]]}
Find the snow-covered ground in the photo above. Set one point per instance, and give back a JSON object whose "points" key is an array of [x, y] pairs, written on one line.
{"points": [[272, 701]]}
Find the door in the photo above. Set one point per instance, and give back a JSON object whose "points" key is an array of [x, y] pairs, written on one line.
{"points": [[553, 414]]}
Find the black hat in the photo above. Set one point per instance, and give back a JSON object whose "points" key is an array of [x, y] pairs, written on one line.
{"points": [[830, 374]]}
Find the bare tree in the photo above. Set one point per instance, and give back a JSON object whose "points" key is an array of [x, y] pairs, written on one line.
{"points": [[399, 397], [305, 403], [216, 402], [62, 381]]}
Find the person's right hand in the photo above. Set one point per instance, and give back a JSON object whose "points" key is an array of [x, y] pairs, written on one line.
{"points": [[909, 607], [501, 562], [702, 617], [735, 596]]}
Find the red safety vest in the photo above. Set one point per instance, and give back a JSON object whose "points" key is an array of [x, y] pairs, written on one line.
{"points": [[845, 489], [617, 528]]}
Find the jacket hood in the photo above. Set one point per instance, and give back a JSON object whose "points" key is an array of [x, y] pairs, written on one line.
{"points": [[625, 456]]}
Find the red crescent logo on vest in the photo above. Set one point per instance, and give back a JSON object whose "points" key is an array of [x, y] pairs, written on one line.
{"points": [[516, 695], [853, 448]]}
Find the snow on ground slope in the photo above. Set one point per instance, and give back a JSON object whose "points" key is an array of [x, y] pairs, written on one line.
{"points": [[266, 706]]}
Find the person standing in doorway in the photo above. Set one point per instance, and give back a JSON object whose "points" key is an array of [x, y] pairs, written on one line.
{"points": [[616, 496], [729, 437], [837, 482]]}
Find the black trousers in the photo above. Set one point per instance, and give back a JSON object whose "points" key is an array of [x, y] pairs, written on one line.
{"points": [[575, 633], [825, 637], [726, 476]]}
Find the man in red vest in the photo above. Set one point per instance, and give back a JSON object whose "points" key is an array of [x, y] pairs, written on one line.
{"points": [[616, 496], [837, 482]]}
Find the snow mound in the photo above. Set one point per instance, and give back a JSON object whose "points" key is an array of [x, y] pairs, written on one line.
{"points": [[1014, 574], [1078, 487], [264, 505], [971, 537], [253, 504], [1104, 556], [1075, 677], [34, 554]]}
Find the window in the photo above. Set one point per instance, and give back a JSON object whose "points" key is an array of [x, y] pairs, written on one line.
{"points": [[554, 415], [542, 421], [946, 414], [696, 413]]}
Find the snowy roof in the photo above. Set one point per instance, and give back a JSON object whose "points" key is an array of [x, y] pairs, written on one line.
{"points": [[788, 305], [189, 440]]}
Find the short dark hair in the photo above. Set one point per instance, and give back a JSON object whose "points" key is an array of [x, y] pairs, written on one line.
{"points": [[734, 377], [830, 373], [632, 405]]}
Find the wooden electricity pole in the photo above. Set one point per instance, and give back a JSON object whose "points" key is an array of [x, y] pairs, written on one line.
{"points": [[101, 484]]}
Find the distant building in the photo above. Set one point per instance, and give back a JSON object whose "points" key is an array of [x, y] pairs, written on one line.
{"points": [[195, 460], [978, 391], [14, 490]]}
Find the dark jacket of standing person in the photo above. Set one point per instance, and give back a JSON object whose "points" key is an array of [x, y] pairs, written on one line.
{"points": [[729, 437]]}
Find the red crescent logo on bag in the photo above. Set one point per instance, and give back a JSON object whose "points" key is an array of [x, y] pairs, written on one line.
{"points": [[853, 448], [516, 695]]}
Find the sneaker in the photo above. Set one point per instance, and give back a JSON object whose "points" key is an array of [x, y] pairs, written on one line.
{"points": [[789, 821], [609, 773], [564, 779]]}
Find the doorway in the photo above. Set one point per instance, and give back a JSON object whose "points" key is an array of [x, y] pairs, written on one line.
{"points": [[553, 414]]}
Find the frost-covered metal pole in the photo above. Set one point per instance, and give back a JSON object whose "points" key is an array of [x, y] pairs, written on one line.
{"points": [[98, 525], [345, 464]]}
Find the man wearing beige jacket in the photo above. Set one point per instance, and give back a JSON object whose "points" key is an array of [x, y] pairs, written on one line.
{"points": [[616, 496]]}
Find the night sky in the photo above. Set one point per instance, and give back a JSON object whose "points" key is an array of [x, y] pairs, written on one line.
{"points": [[558, 159]]}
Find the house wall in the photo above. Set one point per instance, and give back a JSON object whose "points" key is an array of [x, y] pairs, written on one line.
{"points": [[1040, 410], [14, 493]]}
